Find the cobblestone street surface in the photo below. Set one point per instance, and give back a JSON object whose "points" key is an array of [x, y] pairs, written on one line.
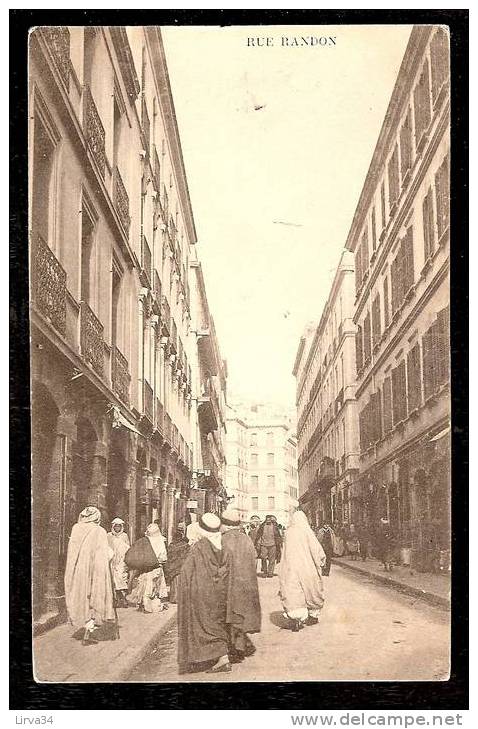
{"points": [[367, 632]]}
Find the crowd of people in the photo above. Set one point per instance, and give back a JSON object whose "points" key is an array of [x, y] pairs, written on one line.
{"points": [[210, 569]]}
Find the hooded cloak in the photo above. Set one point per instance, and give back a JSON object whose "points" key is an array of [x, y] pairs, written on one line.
{"points": [[300, 572], [88, 584]]}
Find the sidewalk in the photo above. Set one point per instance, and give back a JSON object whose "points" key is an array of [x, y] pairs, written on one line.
{"points": [[435, 589], [60, 658]]}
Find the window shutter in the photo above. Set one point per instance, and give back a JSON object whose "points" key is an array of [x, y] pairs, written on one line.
{"points": [[387, 405], [367, 346], [414, 378], [386, 318], [365, 256], [376, 326], [442, 187], [383, 204], [406, 146], [421, 97], [443, 346], [374, 229], [439, 54], [427, 355], [428, 225], [408, 275], [358, 348]]}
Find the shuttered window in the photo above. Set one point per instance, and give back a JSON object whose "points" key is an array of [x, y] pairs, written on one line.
{"points": [[421, 98], [442, 191], [402, 271], [428, 225], [393, 178], [399, 393], [443, 346], [367, 343], [406, 150], [358, 269], [358, 349], [414, 378], [387, 405], [376, 418], [383, 205], [386, 315], [440, 62], [374, 230], [429, 366], [365, 256], [376, 324]]}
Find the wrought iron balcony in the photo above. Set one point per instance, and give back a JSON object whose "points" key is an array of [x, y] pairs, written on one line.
{"points": [[121, 200], [120, 375], [208, 408], [148, 399], [157, 285], [168, 427], [145, 123], [173, 339], [146, 261], [165, 205], [58, 40], [48, 284], [91, 338], [156, 171], [94, 131], [125, 58]]}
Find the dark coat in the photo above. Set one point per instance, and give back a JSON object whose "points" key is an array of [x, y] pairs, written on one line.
{"points": [[177, 553], [243, 605], [202, 595], [277, 537], [325, 538]]}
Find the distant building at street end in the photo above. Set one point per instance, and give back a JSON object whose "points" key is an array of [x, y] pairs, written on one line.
{"points": [[327, 416], [400, 237], [262, 461]]}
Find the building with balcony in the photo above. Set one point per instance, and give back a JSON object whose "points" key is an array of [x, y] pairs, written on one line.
{"points": [[400, 239], [209, 378], [327, 428], [261, 453], [111, 238]]}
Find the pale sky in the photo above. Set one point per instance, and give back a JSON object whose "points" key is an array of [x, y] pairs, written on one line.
{"points": [[300, 159]]}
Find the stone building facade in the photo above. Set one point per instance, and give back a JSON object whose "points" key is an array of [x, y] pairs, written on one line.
{"points": [[327, 415], [112, 238], [400, 239]]}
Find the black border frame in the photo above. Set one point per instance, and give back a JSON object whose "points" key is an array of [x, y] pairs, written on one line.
{"points": [[24, 692]]}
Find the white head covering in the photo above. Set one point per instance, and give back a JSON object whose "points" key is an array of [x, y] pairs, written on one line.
{"points": [[158, 542], [90, 514], [209, 527], [115, 522]]}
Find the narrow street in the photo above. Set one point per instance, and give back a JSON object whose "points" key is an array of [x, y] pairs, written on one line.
{"points": [[366, 632]]}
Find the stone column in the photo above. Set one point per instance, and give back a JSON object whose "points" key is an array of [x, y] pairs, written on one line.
{"points": [[171, 511], [131, 488], [141, 301]]}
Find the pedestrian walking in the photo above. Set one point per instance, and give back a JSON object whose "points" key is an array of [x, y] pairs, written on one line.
{"points": [[202, 596], [385, 544], [352, 542], [268, 545], [88, 580], [146, 557], [364, 539], [324, 535], [300, 573], [177, 553], [243, 611], [118, 541], [193, 532]]}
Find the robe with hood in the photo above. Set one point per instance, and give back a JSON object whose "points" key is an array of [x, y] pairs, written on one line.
{"points": [[88, 582], [300, 573], [202, 597]]}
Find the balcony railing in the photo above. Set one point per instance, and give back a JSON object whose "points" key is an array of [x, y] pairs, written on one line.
{"points": [[91, 338], [120, 375], [148, 399], [146, 260], [168, 427], [165, 204], [94, 131], [48, 284], [145, 123], [121, 200], [157, 284], [173, 340], [156, 171], [58, 41]]}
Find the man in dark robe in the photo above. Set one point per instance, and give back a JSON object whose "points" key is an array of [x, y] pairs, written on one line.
{"points": [[243, 612], [202, 597], [268, 545]]}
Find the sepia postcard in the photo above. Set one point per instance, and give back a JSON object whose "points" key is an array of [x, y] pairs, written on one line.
{"points": [[240, 353]]}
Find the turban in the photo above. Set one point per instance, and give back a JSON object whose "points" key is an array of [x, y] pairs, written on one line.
{"points": [[91, 513]]}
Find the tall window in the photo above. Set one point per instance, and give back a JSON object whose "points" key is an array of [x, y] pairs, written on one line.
{"points": [[358, 269], [428, 225], [253, 439], [270, 502], [254, 459], [393, 178], [414, 378], [386, 314], [270, 459], [271, 482], [406, 152], [115, 297], [42, 180], [421, 98], [358, 348], [436, 353], [255, 503], [365, 256], [399, 388], [376, 324], [86, 257], [367, 343], [387, 405], [270, 439], [442, 187], [439, 53], [383, 205], [373, 229], [255, 483]]}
